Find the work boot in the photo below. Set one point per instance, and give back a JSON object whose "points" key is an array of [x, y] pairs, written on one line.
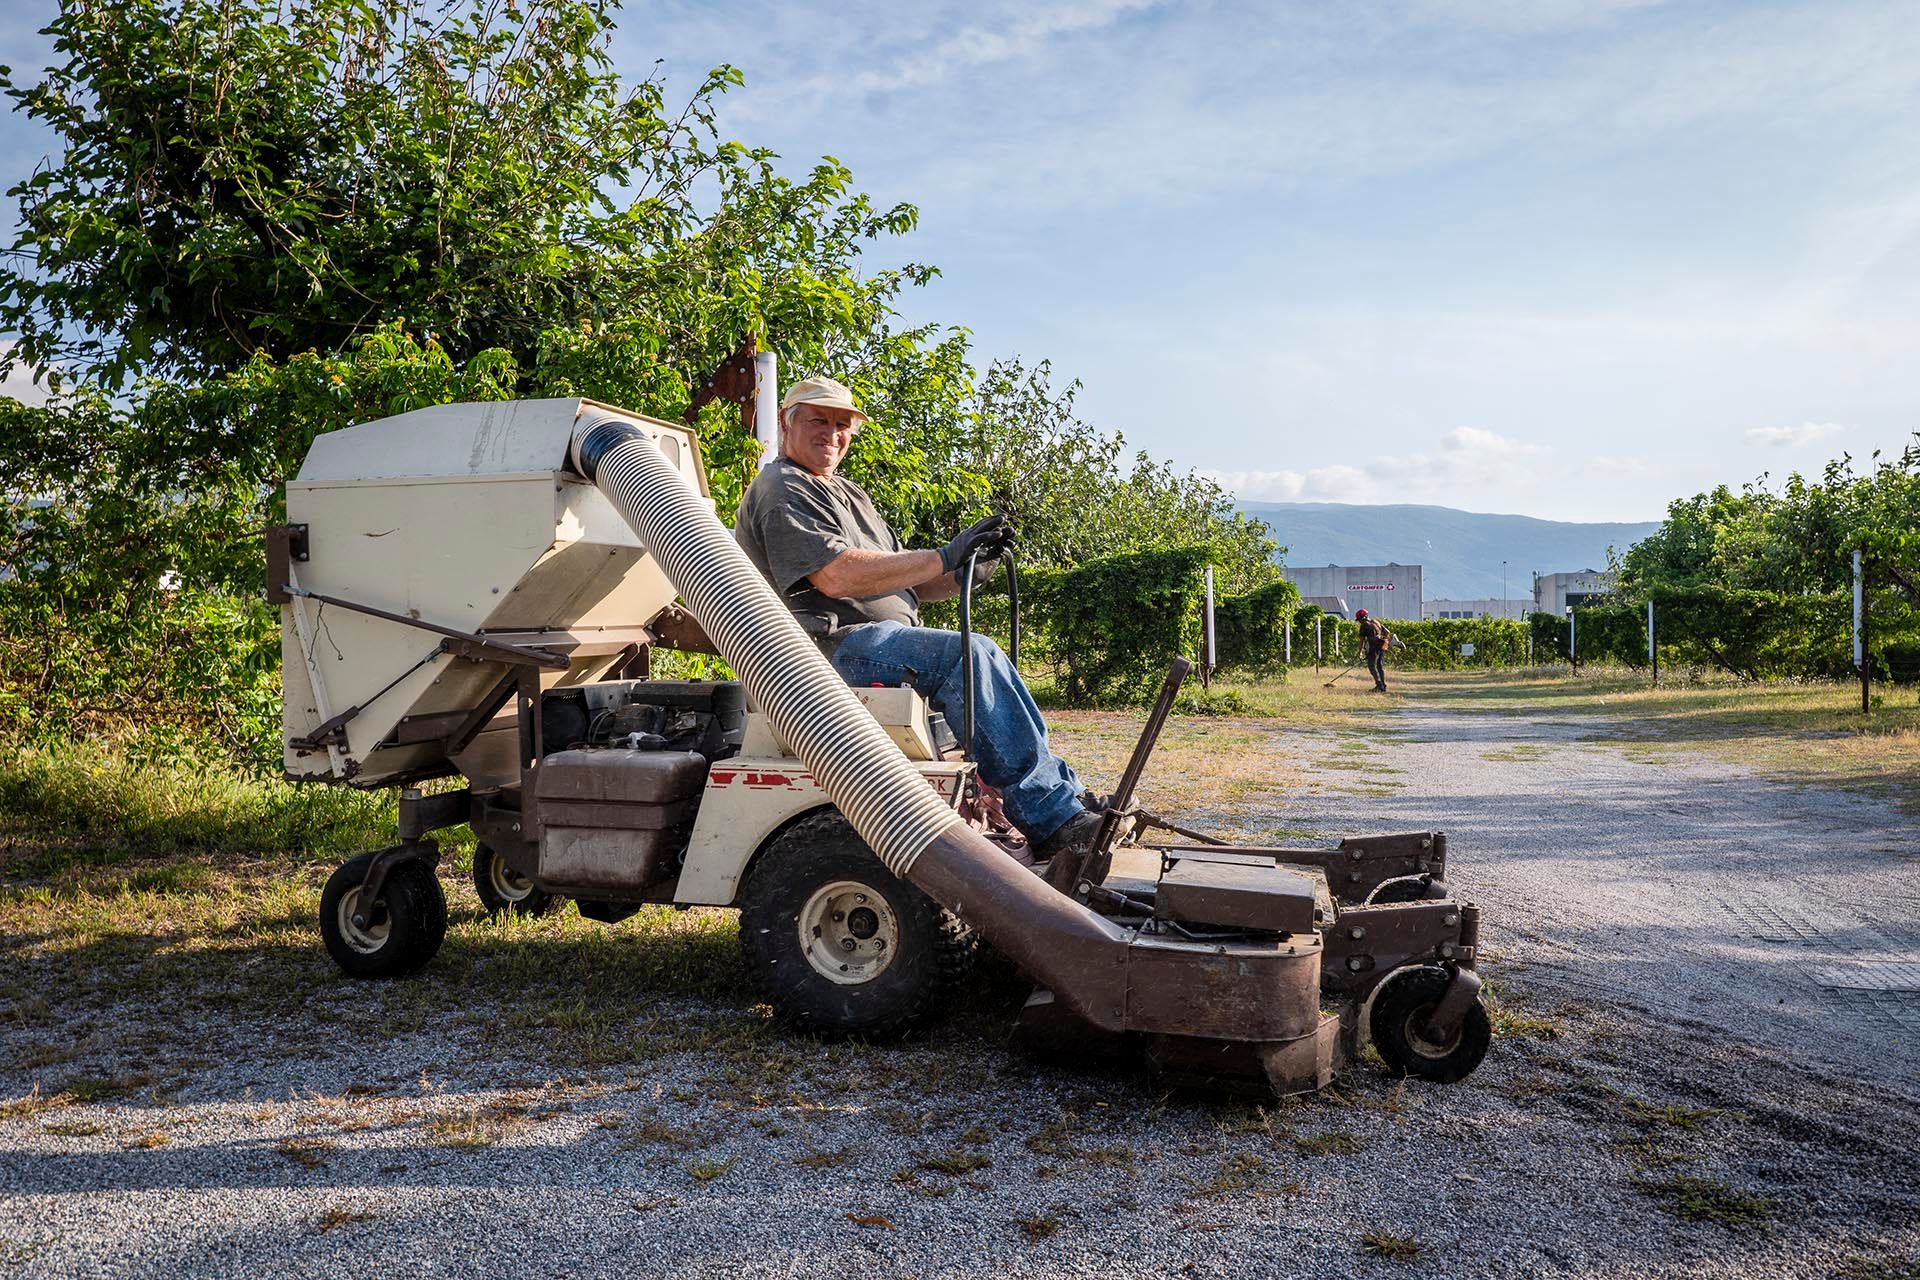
{"points": [[1065, 851]]}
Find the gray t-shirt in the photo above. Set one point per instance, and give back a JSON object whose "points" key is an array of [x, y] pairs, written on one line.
{"points": [[792, 523]]}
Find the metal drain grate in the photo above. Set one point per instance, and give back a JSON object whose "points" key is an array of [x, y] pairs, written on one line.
{"points": [[1898, 1011], [1872, 975], [1772, 922]]}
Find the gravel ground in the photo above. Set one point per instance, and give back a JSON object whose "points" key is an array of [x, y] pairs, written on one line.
{"points": [[1697, 970]]}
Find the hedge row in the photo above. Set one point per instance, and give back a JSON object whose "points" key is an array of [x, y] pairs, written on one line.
{"points": [[1753, 634]]}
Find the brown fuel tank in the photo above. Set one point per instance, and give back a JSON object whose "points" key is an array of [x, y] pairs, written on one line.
{"points": [[613, 819]]}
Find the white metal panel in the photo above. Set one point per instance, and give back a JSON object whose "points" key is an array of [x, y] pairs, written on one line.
{"points": [[746, 800], [448, 439], [898, 709]]}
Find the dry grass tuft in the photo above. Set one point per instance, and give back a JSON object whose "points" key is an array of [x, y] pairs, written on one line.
{"points": [[308, 1153], [1384, 1244]]}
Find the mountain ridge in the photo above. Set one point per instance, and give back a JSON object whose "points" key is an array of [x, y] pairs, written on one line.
{"points": [[1459, 551]]}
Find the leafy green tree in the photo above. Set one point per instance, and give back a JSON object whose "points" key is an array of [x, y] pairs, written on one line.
{"points": [[241, 177]]}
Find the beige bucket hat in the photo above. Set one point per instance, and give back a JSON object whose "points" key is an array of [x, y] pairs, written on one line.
{"points": [[824, 392]]}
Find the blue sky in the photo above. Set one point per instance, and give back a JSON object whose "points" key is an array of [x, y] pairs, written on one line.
{"points": [[1562, 259]]}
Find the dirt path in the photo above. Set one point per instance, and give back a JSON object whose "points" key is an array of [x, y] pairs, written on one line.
{"points": [[1687, 890]]}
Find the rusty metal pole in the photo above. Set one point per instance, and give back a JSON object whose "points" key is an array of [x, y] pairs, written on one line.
{"points": [[1206, 654]]}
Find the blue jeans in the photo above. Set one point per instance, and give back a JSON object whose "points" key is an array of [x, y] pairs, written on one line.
{"points": [[1010, 738]]}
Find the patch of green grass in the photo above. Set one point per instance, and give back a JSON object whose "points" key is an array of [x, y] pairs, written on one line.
{"points": [[1334, 1142], [1689, 1119], [1040, 1226], [85, 1089], [1648, 1153], [1695, 1199], [705, 1171], [1384, 1244], [75, 1129], [956, 1163], [1238, 1172], [104, 803]]}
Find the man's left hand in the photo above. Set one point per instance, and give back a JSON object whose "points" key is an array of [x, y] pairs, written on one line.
{"points": [[988, 551]]}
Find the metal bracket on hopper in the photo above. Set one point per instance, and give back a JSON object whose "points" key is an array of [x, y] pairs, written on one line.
{"points": [[466, 644]]}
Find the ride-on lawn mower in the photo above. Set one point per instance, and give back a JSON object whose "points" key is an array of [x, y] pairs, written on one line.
{"points": [[477, 589]]}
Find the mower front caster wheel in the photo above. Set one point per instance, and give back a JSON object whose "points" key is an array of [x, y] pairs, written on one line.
{"points": [[501, 888], [839, 944], [393, 935], [1404, 1041]]}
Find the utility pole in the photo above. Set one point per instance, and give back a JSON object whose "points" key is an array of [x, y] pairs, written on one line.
{"points": [[1573, 644], [1503, 588], [1319, 651]]}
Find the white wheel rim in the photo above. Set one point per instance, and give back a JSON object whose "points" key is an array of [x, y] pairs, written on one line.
{"points": [[1418, 1040], [848, 933], [508, 883], [364, 939]]}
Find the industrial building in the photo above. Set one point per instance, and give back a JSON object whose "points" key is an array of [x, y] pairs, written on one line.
{"points": [[1384, 590], [1553, 592], [1518, 607]]}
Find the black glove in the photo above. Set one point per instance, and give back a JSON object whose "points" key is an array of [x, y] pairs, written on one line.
{"points": [[989, 537]]}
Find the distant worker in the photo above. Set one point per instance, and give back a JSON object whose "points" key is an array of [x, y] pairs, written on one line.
{"points": [[1374, 639], [855, 588]]}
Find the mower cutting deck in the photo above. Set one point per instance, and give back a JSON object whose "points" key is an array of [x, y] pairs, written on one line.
{"points": [[476, 590]]}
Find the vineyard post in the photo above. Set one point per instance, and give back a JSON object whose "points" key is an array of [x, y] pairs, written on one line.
{"points": [[1653, 650], [1573, 644], [1206, 660], [1860, 628], [1318, 650]]}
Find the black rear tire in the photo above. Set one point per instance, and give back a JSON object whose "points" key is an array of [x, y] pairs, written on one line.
{"points": [[1400, 889], [501, 888], [403, 930], [1398, 1026], [841, 946]]}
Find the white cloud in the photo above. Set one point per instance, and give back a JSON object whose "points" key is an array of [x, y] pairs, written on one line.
{"points": [[20, 383], [1467, 459], [979, 46], [1619, 466], [1320, 484], [1790, 437], [1469, 440]]}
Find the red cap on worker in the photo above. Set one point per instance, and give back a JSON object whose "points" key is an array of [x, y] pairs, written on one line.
{"points": [[1359, 613]]}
